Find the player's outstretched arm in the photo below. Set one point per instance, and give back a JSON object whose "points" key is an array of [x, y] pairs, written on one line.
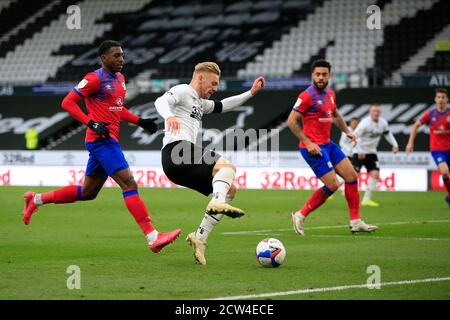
{"points": [[412, 136], [293, 122], [235, 101]]}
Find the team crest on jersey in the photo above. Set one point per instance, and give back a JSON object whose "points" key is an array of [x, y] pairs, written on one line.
{"points": [[119, 101], [329, 113], [82, 84], [108, 87], [433, 119], [124, 86], [319, 102]]}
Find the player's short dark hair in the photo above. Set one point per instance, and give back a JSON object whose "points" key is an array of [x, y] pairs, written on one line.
{"points": [[320, 63], [441, 90], [106, 45], [354, 119]]}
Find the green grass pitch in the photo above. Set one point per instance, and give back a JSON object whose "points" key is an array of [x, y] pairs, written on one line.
{"points": [[101, 237]]}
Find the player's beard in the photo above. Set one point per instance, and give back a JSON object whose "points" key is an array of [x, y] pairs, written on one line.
{"points": [[325, 84]]}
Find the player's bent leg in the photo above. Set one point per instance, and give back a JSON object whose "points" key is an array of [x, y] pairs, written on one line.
{"points": [[346, 170], [374, 176], [223, 177], [68, 194], [156, 240], [331, 184], [91, 187], [444, 170]]}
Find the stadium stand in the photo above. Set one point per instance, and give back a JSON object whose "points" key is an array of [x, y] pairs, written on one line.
{"points": [[350, 46], [34, 60], [48, 11], [164, 38], [169, 36], [439, 62], [404, 40]]}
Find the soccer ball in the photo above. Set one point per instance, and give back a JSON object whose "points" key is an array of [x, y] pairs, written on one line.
{"points": [[270, 253]]}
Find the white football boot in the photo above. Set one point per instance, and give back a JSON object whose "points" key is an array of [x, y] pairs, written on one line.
{"points": [[198, 248], [299, 223], [361, 226]]}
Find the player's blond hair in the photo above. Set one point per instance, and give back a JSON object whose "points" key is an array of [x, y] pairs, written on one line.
{"points": [[207, 67]]}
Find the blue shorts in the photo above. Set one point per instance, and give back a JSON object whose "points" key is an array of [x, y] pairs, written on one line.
{"points": [[105, 158], [322, 164], [441, 156]]}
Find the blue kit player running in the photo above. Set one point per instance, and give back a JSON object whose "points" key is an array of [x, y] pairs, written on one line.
{"points": [[438, 119], [316, 110], [104, 94]]}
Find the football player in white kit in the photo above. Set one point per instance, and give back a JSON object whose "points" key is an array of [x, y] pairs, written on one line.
{"points": [[344, 142], [346, 145], [369, 132], [188, 164]]}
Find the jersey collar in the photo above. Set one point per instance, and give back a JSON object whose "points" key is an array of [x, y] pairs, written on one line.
{"points": [[109, 74]]}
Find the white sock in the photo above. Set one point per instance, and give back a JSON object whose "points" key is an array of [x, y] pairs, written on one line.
{"points": [[151, 237], [229, 198], [371, 186], [38, 200], [207, 225], [355, 221], [221, 184]]}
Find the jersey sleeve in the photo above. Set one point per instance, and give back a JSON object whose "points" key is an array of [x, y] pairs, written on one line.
{"points": [[168, 100], [388, 135], [211, 106], [303, 102], [89, 86], [425, 119]]}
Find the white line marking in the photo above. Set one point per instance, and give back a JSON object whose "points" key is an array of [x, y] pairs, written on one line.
{"points": [[335, 227], [338, 288], [377, 237]]}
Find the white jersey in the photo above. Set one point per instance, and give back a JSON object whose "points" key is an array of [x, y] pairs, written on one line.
{"points": [[369, 134], [186, 106], [346, 143]]}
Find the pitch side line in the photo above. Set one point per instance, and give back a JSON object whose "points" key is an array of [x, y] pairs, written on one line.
{"points": [[338, 288], [377, 237], [334, 227]]}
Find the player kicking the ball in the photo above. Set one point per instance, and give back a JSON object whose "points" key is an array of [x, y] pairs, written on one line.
{"points": [[438, 119], [316, 108], [190, 165], [104, 94]]}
